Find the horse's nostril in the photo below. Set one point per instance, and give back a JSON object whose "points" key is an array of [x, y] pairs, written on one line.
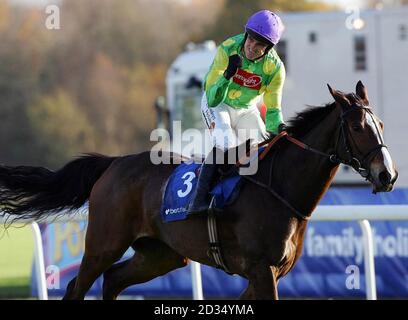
{"points": [[385, 178]]}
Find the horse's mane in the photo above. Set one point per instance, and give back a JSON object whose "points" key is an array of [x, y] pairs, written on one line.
{"points": [[307, 119]]}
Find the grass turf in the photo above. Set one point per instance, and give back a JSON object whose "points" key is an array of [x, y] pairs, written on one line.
{"points": [[16, 256]]}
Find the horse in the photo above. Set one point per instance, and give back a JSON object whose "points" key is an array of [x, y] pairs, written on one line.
{"points": [[261, 233]]}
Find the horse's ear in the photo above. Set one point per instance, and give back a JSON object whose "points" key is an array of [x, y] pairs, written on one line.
{"points": [[331, 90], [361, 91], [339, 97]]}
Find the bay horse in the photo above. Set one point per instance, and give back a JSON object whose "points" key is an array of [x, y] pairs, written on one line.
{"points": [[261, 232]]}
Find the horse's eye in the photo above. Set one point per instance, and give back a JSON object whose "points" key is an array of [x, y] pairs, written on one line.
{"points": [[357, 128]]}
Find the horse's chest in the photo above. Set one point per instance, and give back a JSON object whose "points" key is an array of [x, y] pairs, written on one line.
{"points": [[292, 252], [289, 258], [289, 251]]}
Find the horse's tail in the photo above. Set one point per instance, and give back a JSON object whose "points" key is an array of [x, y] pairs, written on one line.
{"points": [[35, 192]]}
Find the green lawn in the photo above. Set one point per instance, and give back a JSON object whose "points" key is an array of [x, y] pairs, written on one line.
{"points": [[16, 254]]}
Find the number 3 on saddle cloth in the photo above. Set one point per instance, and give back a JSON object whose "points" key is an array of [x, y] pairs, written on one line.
{"points": [[180, 187], [182, 183]]}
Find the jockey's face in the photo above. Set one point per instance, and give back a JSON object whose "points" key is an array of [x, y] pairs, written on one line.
{"points": [[254, 49]]}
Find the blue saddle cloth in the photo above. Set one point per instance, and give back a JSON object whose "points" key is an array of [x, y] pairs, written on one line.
{"points": [[180, 187]]}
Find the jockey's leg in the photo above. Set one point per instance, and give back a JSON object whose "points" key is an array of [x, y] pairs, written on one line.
{"points": [[249, 125], [201, 199], [218, 122]]}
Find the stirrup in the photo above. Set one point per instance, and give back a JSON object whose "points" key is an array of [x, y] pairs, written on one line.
{"points": [[212, 208]]}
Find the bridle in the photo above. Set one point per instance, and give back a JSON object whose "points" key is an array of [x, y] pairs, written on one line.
{"points": [[360, 165]]}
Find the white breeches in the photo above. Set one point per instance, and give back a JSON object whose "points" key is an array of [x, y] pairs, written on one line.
{"points": [[230, 127]]}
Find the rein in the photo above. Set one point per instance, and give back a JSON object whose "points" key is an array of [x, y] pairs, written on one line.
{"points": [[270, 144], [352, 161]]}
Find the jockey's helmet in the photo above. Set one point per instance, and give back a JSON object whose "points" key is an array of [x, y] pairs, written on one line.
{"points": [[265, 26]]}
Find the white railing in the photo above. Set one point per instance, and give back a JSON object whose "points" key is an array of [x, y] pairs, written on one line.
{"points": [[42, 291], [360, 213]]}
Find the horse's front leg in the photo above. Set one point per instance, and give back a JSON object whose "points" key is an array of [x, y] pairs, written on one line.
{"points": [[262, 283]]}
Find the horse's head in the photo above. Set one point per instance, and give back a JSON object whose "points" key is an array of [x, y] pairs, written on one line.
{"points": [[361, 141]]}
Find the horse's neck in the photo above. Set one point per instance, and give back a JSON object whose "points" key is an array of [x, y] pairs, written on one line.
{"points": [[309, 175]]}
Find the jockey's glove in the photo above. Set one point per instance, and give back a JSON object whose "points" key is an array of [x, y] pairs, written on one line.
{"points": [[270, 134], [234, 63]]}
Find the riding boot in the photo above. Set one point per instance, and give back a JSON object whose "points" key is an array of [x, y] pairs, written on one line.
{"points": [[200, 199]]}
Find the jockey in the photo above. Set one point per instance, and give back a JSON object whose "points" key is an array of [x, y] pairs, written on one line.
{"points": [[245, 68]]}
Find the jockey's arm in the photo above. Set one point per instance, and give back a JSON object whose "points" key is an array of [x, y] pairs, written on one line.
{"points": [[216, 85], [273, 99]]}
